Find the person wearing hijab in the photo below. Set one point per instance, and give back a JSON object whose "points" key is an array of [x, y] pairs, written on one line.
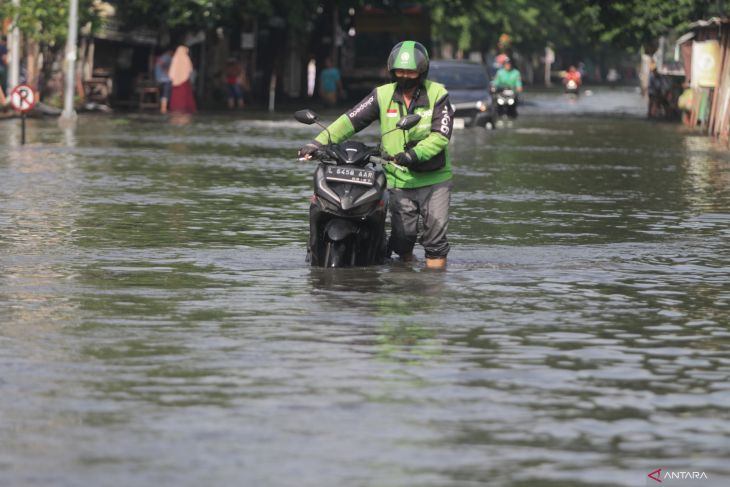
{"points": [[181, 69]]}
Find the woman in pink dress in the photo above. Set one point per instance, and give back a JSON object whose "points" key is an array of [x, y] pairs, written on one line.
{"points": [[181, 68]]}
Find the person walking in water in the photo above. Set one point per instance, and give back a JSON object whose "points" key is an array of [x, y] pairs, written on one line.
{"points": [[330, 83], [162, 66], [3, 63], [234, 76], [181, 70], [420, 180]]}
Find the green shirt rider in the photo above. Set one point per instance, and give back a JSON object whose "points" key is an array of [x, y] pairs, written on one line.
{"points": [[508, 77], [420, 184]]}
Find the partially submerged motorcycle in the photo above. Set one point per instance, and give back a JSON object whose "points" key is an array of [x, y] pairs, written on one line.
{"points": [[506, 102], [572, 87], [350, 201]]}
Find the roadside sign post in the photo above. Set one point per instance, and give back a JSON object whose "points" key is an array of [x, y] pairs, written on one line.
{"points": [[549, 60], [22, 98]]}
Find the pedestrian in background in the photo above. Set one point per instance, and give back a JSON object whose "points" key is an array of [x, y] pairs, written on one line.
{"points": [[3, 63], [162, 67], [235, 81], [612, 77], [181, 70], [330, 83]]}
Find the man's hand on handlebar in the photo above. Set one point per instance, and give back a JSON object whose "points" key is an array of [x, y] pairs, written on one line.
{"points": [[407, 158], [308, 150]]}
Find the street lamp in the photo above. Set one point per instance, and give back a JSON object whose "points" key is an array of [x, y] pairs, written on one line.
{"points": [[68, 98], [14, 72]]}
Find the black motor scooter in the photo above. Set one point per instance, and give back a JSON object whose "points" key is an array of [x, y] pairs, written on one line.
{"points": [[350, 201], [506, 102], [572, 87]]}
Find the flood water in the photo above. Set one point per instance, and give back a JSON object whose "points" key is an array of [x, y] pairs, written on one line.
{"points": [[159, 326]]}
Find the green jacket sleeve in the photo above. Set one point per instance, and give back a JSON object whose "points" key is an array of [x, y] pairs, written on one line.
{"points": [[341, 129], [518, 79], [354, 120], [431, 146], [442, 124]]}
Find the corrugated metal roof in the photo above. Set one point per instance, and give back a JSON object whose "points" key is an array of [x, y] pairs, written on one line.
{"points": [[714, 21]]}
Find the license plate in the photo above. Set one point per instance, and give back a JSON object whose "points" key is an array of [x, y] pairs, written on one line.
{"points": [[352, 175], [459, 123]]}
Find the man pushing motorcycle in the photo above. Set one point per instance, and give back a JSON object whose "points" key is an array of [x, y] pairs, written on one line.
{"points": [[420, 181]]}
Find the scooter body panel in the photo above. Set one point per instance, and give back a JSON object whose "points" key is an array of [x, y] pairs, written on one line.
{"points": [[347, 217]]}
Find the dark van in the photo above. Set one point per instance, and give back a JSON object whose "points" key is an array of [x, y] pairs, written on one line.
{"points": [[468, 86]]}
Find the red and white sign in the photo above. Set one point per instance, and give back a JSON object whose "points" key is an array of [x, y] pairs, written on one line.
{"points": [[22, 98]]}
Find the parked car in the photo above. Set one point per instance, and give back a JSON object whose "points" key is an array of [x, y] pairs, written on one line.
{"points": [[468, 85]]}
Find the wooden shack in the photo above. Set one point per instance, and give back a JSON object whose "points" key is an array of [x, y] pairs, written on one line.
{"points": [[706, 53]]}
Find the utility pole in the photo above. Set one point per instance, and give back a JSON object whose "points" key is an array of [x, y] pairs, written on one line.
{"points": [[549, 60], [68, 99], [14, 72]]}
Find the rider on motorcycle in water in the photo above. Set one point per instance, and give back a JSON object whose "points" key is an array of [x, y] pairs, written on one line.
{"points": [[420, 184], [508, 77], [572, 75]]}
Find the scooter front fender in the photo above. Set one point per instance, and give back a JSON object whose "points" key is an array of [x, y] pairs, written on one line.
{"points": [[339, 229]]}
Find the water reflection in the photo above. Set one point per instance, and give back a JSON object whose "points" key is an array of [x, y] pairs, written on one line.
{"points": [[178, 119], [707, 173], [154, 293]]}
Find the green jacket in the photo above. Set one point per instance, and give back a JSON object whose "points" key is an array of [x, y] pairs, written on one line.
{"points": [[429, 139], [508, 79]]}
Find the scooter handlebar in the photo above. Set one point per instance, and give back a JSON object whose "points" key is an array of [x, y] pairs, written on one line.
{"points": [[379, 160], [319, 155], [387, 160], [323, 156]]}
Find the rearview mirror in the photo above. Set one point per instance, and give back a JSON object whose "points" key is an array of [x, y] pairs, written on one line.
{"points": [[306, 116], [408, 122]]}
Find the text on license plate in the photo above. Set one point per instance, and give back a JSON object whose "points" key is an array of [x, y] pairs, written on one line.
{"points": [[350, 175]]}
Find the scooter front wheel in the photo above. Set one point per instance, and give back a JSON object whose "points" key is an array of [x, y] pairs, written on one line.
{"points": [[335, 254]]}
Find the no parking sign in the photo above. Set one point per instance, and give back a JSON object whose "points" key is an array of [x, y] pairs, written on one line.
{"points": [[22, 98]]}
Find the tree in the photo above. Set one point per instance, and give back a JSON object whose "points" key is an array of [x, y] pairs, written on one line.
{"points": [[44, 26], [620, 24], [187, 15], [46, 21]]}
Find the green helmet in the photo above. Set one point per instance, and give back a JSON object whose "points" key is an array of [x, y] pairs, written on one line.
{"points": [[409, 55]]}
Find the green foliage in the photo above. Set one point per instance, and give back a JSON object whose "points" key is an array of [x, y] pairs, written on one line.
{"points": [[469, 24], [173, 13], [622, 24], [46, 21], [207, 14]]}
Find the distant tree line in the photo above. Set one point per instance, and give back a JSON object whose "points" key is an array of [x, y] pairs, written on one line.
{"points": [[583, 25], [622, 24], [468, 24]]}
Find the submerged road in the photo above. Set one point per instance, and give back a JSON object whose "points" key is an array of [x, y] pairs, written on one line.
{"points": [[158, 324]]}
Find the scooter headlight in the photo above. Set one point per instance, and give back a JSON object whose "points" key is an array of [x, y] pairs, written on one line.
{"points": [[511, 101], [500, 101]]}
